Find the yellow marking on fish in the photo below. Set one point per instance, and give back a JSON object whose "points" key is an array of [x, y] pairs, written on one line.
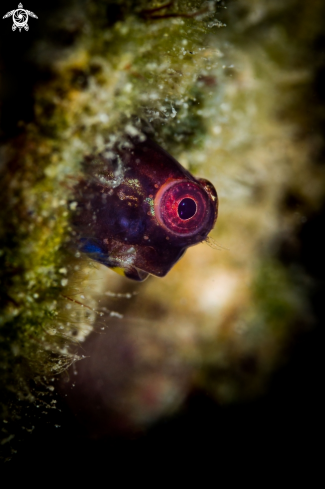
{"points": [[118, 270]]}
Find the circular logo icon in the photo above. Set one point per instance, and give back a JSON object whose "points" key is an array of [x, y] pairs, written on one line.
{"points": [[20, 18]]}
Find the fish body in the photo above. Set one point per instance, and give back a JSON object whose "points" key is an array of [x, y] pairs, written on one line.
{"points": [[139, 210]]}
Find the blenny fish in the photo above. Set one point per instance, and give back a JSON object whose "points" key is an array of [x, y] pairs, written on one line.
{"points": [[138, 209]]}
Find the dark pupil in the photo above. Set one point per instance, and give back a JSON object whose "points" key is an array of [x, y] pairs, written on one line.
{"points": [[186, 209]]}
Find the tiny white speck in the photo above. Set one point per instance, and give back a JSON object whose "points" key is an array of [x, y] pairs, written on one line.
{"points": [[128, 88], [217, 130], [131, 130], [73, 206], [103, 117]]}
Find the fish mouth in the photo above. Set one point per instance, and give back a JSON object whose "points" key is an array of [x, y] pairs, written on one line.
{"points": [[137, 274]]}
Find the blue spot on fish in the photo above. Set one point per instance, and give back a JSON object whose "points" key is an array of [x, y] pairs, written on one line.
{"points": [[89, 246]]}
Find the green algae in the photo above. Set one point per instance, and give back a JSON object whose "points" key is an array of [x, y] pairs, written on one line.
{"points": [[114, 70]]}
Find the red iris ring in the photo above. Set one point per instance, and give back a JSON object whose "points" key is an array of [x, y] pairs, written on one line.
{"points": [[167, 202]]}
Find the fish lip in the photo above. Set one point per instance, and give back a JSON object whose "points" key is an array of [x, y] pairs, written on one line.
{"points": [[136, 274]]}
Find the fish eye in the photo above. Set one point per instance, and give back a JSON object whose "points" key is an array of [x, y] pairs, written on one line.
{"points": [[185, 208]]}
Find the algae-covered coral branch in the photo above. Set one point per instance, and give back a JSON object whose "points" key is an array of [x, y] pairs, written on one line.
{"points": [[95, 68]]}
